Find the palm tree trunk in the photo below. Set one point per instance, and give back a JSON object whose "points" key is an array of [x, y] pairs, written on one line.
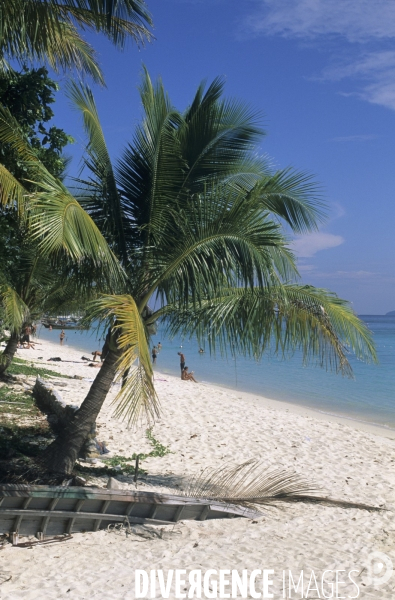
{"points": [[60, 456], [9, 353]]}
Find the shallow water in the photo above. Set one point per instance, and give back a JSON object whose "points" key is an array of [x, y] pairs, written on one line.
{"points": [[369, 397]]}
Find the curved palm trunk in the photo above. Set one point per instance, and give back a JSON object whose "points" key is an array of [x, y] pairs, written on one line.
{"points": [[9, 353], [61, 455]]}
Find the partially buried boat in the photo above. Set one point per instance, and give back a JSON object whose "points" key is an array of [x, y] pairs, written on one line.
{"points": [[48, 511]]}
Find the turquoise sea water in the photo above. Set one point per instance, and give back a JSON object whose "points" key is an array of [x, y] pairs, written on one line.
{"points": [[369, 397]]}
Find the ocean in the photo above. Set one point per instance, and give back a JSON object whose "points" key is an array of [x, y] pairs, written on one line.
{"points": [[369, 397]]}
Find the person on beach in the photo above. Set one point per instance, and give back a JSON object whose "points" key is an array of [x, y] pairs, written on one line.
{"points": [[185, 376], [182, 361], [26, 338], [154, 354], [97, 353], [61, 337]]}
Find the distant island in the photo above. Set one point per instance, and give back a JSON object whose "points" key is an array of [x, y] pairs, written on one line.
{"points": [[390, 314]]}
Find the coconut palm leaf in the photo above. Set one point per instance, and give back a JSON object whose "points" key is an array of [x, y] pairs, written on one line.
{"points": [[76, 284], [32, 30], [137, 397], [12, 192], [212, 237], [292, 196], [15, 311], [281, 319], [119, 21], [37, 31], [151, 169], [103, 202], [216, 136], [56, 220], [251, 485]]}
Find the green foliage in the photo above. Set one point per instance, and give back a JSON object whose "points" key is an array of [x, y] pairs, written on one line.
{"points": [[159, 450], [28, 96], [47, 241], [23, 367], [129, 334], [125, 462], [50, 32]]}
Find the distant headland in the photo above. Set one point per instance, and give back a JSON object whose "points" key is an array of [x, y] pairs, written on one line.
{"points": [[390, 314]]}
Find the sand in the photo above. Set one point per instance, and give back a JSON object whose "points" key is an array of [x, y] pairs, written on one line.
{"points": [[210, 426]]}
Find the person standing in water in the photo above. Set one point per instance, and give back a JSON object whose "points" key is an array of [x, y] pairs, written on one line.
{"points": [[182, 360], [159, 347], [154, 354], [61, 337]]}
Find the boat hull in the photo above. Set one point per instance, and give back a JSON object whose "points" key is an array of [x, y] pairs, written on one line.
{"points": [[48, 511]]}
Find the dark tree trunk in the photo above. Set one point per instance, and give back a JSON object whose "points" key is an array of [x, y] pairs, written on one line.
{"points": [[9, 353], [59, 458]]}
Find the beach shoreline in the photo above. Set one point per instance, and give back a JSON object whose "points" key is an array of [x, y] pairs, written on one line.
{"points": [[293, 407], [299, 409], [205, 426]]}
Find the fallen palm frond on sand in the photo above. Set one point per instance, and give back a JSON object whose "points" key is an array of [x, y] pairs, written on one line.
{"points": [[251, 485]]}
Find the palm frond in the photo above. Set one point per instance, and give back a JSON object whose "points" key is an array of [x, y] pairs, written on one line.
{"points": [[250, 485], [57, 221], [50, 31], [12, 191], [118, 20], [104, 203], [37, 31], [216, 136], [137, 397], [214, 238], [293, 196], [281, 319], [15, 311], [151, 170]]}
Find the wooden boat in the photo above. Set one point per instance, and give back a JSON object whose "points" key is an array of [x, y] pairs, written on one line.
{"points": [[48, 511]]}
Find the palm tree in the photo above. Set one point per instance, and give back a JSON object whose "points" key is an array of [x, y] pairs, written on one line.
{"points": [[195, 218], [50, 32]]}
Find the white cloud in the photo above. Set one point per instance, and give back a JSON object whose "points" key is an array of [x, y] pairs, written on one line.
{"points": [[360, 276], [356, 23], [337, 211], [306, 268], [355, 138], [382, 92], [355, 20], [306, 246], [355, 274], [376, 69], [365, 66]]}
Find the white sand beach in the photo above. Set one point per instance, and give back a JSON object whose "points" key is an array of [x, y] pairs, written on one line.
{"points": [[209, 426]]}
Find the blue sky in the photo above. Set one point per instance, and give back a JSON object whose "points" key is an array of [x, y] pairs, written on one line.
{"points": [[322, 73]]}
